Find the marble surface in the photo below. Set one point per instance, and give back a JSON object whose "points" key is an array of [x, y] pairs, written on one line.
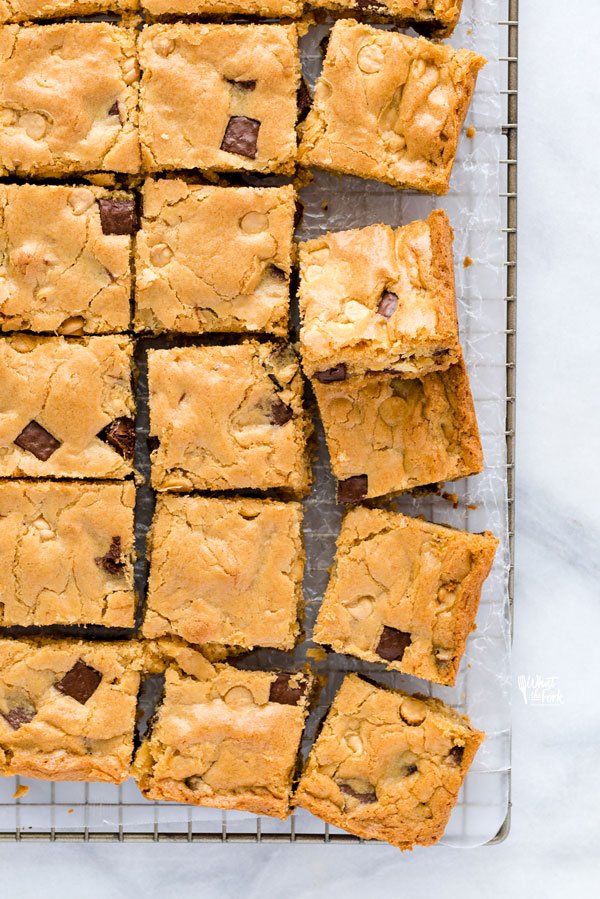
{"points": [[552, 849]]}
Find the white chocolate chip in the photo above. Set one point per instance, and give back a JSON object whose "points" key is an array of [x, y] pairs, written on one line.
{"points": [[7, 116], [417, 70], [175, 482], [254, 222], [239, 697], [164, 46], [72, 325], [34, 125], [129, 70], [80, 200], [413, 711], [370, 59], [354, 743], [361, 608], [160, 255], [44, 530]]}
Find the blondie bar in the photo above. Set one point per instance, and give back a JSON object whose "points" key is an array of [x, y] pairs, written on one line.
{"points": [[67, 708], [375, 299], [66, 553], [227, 418], [214, 258], [433, 18], [27, 10], [387, 765], [388, 434], [269, 8], [219, 97], [68, 99], [226, 571], [404, 592], [65, 258], [66, 407], [225, 738], [390, 107]]}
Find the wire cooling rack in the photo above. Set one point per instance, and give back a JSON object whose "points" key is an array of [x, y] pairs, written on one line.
{"points": [[92, 812]]}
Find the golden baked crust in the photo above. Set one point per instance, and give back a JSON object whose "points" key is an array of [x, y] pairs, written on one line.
{"points": [[226, 738], [214, 258], [27, 10], [389, 107], [68, 99], [219, 97], [396, 433], [62, 269], [269, 8], [66, 553], [67, 407], [67, 708], [387, 765], [226, 571], [404, 592], [227, 418], [378, 299], [433, 18]]}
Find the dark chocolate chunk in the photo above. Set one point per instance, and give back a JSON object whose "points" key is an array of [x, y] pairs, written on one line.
{"points": [[80, 682], [37, 441], [114, 109], [329, 375], [285, 692], [153, 443], [364, 797], [120, 434], [387, 304], [353, 489], [117, 216], [393, 644], [410, 769], [281, 413], [456, 755], [304, 100], [277, 273], [242, 85], [241, 136], [19, 715], [112, 561]]}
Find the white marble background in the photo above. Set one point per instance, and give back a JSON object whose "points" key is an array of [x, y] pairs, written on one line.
{"points": [[554, 846]]}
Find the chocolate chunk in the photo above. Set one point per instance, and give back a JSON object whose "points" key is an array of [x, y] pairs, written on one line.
{"points": [[241, 136], [304, 100], [284, 692], [120, 434], [410, 769], [387, 304], [281, 413], [277, 273], [392, 644], [114, 109], [153, 443], [112, 561], [365, 798], [117, 216], [242, 85], [80, 682], [353, 489], [329, 375], [37, 441], [19, 715], [456, 755]]}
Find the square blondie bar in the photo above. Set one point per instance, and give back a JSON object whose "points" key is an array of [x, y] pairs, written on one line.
{"points": [[225, 738], [28, 10], [227, 418], [389, 107], [377, 299], [432, 18], [67, 407], [214, 258], [65, 258], [226, 571], [387, 765], [388, 434], [66, 553], [219, 97], [67, 708], [68, 99], [404, 592]]}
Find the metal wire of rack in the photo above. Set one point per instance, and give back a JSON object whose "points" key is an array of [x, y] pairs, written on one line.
{"points": [[90, 797]]}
